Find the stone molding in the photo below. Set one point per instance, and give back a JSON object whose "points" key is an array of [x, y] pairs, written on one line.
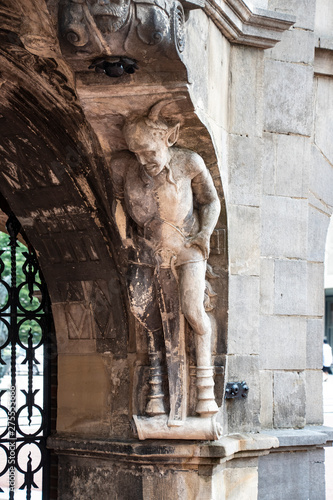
{"points": [[300, 438], [212, 453], [185, 453], [246, 25]]}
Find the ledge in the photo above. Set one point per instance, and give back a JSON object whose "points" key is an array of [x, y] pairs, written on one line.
{"points": [[298, 438], [248, 26], [193, 453], [190, 453]]}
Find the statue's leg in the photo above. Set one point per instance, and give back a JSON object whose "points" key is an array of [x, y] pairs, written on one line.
{"points": [[192, 289], [155, 405], [144, 306], [174, 340]]}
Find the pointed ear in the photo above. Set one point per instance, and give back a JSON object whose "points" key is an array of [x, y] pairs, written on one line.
{"points": [[172, 136]]}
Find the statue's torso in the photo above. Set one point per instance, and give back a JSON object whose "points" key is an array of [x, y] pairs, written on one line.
{"points": [[162, 208]]}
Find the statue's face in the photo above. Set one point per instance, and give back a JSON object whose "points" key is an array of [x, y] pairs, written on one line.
{"points": [[110, 15], [149, 146]]}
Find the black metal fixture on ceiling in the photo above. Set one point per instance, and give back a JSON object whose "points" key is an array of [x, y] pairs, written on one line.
{"points": [[114, 66]]}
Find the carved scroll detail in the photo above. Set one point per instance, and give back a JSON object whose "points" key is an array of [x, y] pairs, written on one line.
{"points": [[124, 27]]}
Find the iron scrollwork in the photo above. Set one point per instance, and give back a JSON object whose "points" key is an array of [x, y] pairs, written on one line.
{"points": [[25, 320]]}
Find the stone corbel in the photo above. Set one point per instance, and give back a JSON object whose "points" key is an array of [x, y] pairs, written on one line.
{"points": [[133, 28], [156, 28]]}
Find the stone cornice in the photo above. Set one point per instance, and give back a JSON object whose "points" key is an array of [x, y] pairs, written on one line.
{"points": [[248, 26], [189, 454]]}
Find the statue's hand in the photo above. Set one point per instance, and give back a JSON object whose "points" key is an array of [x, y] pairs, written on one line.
{"points": [[201, 240], [128, 243]]}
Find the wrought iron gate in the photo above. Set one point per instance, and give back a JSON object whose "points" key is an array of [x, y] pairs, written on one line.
{"points": [[25, 355]]}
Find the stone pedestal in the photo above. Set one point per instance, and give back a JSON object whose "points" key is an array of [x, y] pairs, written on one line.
{"points": [[236, 467]]}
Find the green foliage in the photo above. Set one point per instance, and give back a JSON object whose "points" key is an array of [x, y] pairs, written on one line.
{"points": [[24, 297]]}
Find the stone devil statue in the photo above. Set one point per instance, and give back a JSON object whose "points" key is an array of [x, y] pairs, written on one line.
{"points": [[166, 209]]}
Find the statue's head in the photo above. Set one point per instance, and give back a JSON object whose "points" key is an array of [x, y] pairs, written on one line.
{"points": [[150, 138], [109, 15]]}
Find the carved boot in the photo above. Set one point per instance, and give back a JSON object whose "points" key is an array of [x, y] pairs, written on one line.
{"points": [[155, 405], [206, 404]]}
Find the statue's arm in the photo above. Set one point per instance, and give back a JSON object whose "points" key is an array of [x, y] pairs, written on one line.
{"points": [[119, 164], [207, 201]]}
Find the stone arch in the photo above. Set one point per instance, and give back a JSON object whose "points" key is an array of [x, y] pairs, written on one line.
{"points": [[51, 179]]}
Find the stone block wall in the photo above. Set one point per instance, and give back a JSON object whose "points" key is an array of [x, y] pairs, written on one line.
{"points": [[278, 214]]}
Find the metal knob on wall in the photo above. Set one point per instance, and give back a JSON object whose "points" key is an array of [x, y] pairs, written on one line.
{"points": [[236, 390]]}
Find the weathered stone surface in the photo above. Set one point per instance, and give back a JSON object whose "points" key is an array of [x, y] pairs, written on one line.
{"points": [[309, 436], [65, 344], [241, 483], [168, 484], [304, 11], [296, 46], [246, 81], [289, 387], [314, 343], [290, 287], [323, 124], [291, 465], [244, 302], [317, 474], [244, 246], [321, 178], [89, 392], [267, 283], [243, 414], [288, 111], [282, 343], [209, 78], [284, 226], [286, 165], [269, 163], [245, 160], [324, 18], [192, 470], [317, 230], [266, 403], [82, 481], [328, 279], [315, 289], [314, 397]]}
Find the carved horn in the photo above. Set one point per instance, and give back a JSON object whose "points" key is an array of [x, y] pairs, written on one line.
{"points": [[156, 108]]}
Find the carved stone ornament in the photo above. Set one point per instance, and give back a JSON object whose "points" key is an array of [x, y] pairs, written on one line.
{"points": [[122, 27], [166, 209]]}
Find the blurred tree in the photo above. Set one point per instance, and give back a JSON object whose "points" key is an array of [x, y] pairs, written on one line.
{"points": [[26, 301]]}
